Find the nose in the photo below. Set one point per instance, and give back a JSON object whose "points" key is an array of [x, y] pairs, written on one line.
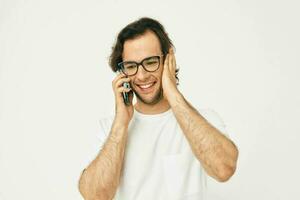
{"points": [[142, 73]]}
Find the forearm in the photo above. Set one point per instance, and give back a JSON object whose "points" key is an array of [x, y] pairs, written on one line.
{"points": [[100, 180], [217, 154]]}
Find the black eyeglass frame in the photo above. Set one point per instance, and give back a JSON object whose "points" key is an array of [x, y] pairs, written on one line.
{"points": [[120, 64]]}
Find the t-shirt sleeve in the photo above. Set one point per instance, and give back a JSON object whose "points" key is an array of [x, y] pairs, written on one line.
{"points": [[97, 142], [214, 119]]}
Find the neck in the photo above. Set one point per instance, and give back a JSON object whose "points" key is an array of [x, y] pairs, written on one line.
{"points": [[162, 106]]}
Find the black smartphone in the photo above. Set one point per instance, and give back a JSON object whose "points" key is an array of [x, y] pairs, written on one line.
{"points": [[125, 94]]}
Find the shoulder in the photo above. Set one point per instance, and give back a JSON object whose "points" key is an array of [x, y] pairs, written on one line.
{"points": [[106, 121], [213, 118], [105, 125], [96, 140], [210, 114]]}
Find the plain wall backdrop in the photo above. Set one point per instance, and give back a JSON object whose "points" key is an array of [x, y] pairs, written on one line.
{"points": [[239, 58]]}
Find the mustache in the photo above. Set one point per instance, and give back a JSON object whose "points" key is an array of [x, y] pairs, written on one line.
{"points": [[158, 96]]}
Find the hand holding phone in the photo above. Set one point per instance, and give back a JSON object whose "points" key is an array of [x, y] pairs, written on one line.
{"points": [[123, 99], [125, 94]]}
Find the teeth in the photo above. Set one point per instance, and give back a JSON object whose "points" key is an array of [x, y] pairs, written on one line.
{"points": [[146, 86]]}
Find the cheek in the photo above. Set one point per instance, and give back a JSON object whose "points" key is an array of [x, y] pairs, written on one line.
{"points": [[159, 74], [131, 81]]}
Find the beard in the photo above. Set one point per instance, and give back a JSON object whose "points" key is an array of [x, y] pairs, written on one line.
{"points": [[154, 100]]}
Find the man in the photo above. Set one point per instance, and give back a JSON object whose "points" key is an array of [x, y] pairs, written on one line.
{"points": [[158, 147]]}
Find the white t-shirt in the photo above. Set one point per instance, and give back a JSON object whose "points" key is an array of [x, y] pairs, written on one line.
{"points": [[159, 163]]}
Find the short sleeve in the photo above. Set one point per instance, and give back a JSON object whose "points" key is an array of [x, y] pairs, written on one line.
{"points": [[104, 130], [214, 119], [97, 142]]}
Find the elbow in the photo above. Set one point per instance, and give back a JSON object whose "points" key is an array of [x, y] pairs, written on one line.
{"points": [[85, 193], [82, 186], [226, 171], [89, 189]]}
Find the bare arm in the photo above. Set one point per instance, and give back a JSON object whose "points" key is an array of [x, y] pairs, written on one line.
{"points": [[100, 179], [217, 154]]}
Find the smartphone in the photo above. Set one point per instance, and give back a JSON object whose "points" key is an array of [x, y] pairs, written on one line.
{"points": [[125, 94]]}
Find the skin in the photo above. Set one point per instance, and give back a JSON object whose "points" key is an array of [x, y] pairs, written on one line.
{"points": [[217, 154]]}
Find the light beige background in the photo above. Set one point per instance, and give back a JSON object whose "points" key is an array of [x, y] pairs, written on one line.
{"points": [[240, 58]]}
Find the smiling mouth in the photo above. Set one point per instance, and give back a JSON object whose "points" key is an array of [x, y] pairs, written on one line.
{"points": [[146, 88]]}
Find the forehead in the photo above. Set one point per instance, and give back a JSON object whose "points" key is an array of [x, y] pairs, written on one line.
{"points": [[143, 46]]}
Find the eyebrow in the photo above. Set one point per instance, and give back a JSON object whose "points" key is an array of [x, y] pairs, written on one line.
{"points": [[141, 60]]}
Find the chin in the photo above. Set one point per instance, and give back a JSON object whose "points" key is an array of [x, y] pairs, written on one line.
{"points": [[157, 97]]}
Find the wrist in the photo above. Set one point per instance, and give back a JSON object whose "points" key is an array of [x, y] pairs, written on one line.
{"points": [[119, 125], [174, 97]]}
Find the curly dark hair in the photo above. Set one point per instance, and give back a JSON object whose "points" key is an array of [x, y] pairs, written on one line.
{"points": [[135, 29]]}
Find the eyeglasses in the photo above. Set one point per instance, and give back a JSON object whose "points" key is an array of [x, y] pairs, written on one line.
{"points": [[149, 64]]}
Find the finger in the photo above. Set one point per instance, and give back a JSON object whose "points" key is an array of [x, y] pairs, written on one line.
{"points": [[130, 97], [120, 82], [123, 89], [120, 90], [166, 65], [173, 62], [119, 76]]}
